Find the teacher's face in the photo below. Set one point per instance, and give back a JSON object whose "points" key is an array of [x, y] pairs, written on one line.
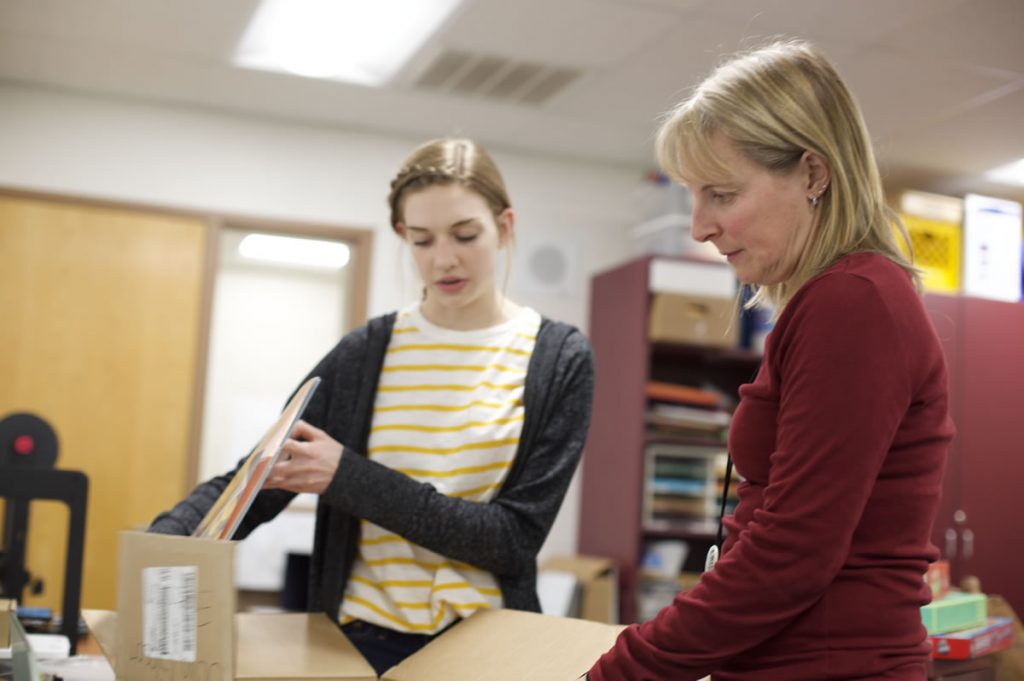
{"points": [[760, 219]]}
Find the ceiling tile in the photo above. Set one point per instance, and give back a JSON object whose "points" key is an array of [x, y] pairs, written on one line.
{"points": [[986, 33], [650, 82], [835, 22], [970, 142], [190, 27], [915, 89]]}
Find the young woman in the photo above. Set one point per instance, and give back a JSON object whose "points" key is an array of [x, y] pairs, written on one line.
{"points": [[442, 438], [842, 437]]}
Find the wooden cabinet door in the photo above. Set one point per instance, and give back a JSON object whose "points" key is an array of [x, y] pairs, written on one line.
{"points": [[992, 446], [99, 334], [946, 313]]}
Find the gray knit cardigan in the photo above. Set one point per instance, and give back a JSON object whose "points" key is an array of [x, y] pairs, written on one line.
{"points": [[501, 537]]}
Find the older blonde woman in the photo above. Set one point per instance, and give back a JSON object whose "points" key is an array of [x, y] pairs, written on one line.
{"points": [[841, 439]]}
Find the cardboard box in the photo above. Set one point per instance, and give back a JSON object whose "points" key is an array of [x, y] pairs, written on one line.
{"points": [[8, 609], [937, 578], [176, 620], [598, 586], [995, 635], [509, 645], [269, 647], [169, 589], [1009, 663], [697, 319], [496, 645], [692, 277]]}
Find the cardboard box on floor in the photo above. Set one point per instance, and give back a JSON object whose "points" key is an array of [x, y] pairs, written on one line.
{"points": [[598, 585], [175, 576]]}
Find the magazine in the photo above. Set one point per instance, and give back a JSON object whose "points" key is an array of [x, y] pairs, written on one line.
{"points": [[226, 514]]}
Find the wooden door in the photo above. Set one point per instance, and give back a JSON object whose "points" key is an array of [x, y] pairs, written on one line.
{"points": [[99, 334]]}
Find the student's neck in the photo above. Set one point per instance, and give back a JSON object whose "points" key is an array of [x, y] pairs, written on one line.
{"points": [[480, 316]]}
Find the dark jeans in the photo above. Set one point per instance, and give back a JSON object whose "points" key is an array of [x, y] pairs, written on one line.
{"points": [[383, 648]]}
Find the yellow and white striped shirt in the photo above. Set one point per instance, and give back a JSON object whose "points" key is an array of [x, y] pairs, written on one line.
{"points": [[448, 412]]}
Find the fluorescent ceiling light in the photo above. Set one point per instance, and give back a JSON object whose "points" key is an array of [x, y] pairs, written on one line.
{"points": [[364, 42], [1011, 173], [285, 249]]}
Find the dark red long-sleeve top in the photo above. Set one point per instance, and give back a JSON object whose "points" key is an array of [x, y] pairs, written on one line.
{"points": [[841, 441]]}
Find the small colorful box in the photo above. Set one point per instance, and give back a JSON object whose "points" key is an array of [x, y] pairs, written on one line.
{"points": [[937, 579], [995, 635], [954, 612]]}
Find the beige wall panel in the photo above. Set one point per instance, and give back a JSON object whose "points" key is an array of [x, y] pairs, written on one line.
{"points": [[100, 311]]}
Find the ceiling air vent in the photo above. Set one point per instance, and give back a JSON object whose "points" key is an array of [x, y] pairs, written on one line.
{"points": [[497, 78]]}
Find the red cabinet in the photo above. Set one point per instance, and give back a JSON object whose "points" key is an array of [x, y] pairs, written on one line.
{"points": [[980, 527]]}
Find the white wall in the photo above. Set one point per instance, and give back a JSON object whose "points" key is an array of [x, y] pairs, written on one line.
{"points": [[94, 147]]}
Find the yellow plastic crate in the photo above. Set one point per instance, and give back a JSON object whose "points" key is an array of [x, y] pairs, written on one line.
{"points": [[937, 251]]}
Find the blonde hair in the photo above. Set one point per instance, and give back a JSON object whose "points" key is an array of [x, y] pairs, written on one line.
{"points": [[774, 104], [445, 162]]}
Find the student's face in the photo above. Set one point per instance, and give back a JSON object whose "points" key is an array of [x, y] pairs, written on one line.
{"points": [[759, 219], [455, 239]]}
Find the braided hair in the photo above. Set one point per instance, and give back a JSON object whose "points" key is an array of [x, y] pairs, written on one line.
{"points": [[442, 162]]}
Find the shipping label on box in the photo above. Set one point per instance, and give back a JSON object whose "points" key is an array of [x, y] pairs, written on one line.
{"points": [[169, 589]]}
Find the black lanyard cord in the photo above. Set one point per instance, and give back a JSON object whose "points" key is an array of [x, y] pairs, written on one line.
{"points": [[725, 496], [728, 479]]}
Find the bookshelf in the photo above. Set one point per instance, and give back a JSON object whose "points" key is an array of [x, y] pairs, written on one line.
{"points": [[683, 486], [652, 469]]}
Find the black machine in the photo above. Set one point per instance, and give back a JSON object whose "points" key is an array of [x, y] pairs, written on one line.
{"points": [[28, 452]]}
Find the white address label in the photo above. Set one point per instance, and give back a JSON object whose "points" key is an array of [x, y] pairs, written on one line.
{"points": [[169, 613]]}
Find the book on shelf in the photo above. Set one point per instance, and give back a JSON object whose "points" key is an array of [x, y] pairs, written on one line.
{"points": [[688, 527], [684, 394], [688, 417], [682, 486], [671, 504], [680, 468], [695, 436]]}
